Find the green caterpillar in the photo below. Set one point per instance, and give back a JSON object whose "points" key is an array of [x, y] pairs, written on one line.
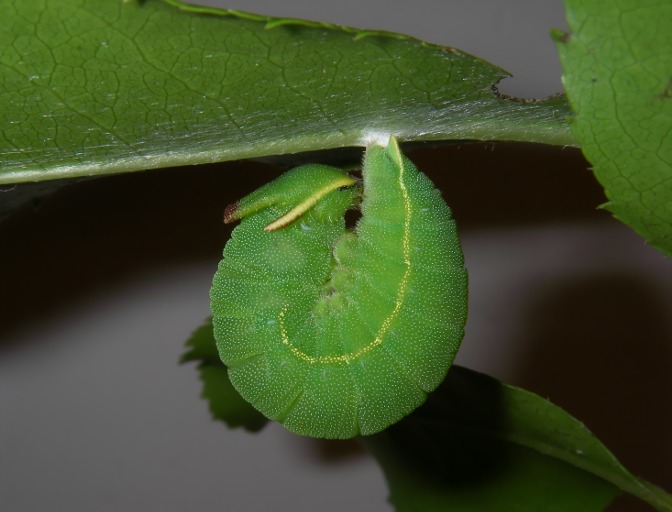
{"points": [[336, 332]]}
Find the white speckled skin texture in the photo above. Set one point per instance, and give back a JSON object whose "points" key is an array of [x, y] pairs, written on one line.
{"points": [[337, 333]]}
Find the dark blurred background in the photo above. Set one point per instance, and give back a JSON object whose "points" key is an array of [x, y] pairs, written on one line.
{"points": [[103, 283]]}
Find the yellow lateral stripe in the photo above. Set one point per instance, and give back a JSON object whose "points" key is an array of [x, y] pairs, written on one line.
{"points": [[398, 303], [308, 203]]}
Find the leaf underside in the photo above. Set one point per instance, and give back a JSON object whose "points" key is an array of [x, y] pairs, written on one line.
{"points": [[96, 87]]}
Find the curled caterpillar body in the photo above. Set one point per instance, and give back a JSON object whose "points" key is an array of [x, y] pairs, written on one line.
{"points": [[336, 333]]}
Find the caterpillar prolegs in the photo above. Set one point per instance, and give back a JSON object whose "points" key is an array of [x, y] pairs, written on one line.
{"points": [[336, 332]]}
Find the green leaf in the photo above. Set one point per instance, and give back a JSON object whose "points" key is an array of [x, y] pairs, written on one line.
{"points": [[618, 75], [482, 445], [477, 444], [224, 401], [103, 86]]}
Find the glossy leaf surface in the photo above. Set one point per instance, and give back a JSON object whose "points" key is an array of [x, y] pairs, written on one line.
{"points": [[479, 444], [98, 86]]}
